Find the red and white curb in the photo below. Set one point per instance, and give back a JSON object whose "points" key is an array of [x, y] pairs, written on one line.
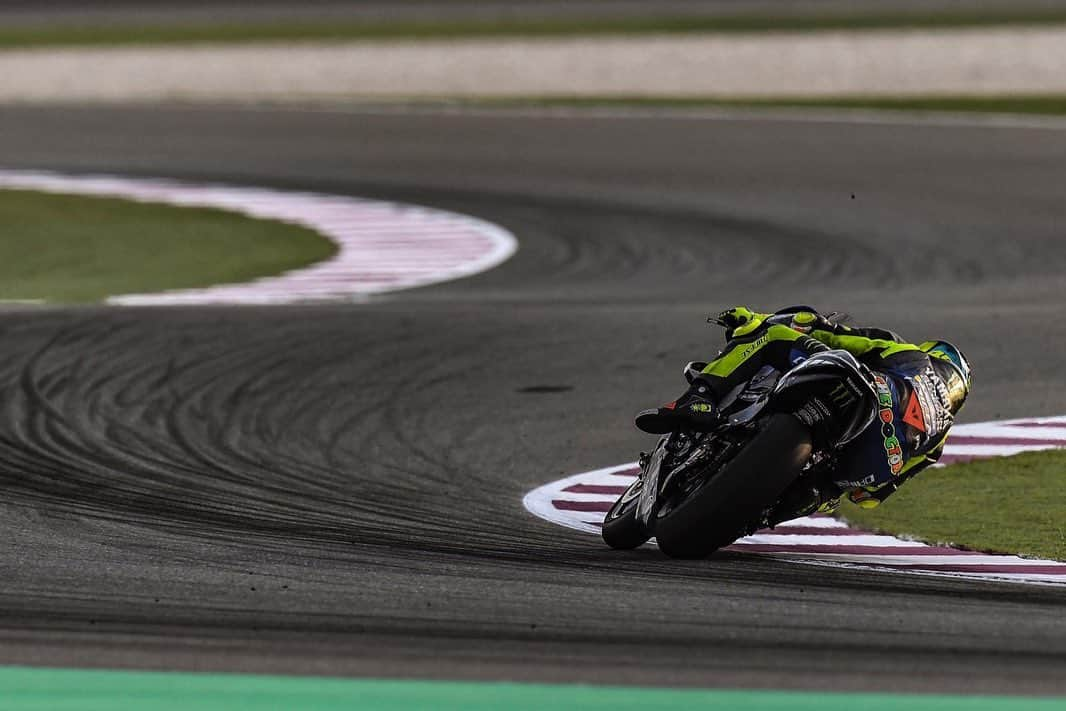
{"points": [[381, 246], [581, 502]]}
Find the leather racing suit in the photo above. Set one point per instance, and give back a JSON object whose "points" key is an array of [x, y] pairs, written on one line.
{"points": [[916, 404]]}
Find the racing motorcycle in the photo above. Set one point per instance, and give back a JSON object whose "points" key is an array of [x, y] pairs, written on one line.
{"points": [[776, 439]]}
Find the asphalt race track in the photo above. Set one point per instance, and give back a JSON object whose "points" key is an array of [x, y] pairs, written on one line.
{"points": [[337, 489]]}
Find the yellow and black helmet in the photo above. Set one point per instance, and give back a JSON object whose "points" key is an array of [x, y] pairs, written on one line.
{"points": [[956, 376]]}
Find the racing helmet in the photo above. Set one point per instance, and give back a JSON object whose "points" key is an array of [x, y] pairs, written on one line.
{"points": [[953, 368]]}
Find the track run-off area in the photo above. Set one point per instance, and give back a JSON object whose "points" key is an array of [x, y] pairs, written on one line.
{"points": [[381, 246], [335, 488]]}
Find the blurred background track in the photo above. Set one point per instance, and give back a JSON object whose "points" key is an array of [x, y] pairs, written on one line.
{"points": [[337, 489], [194, 11]]}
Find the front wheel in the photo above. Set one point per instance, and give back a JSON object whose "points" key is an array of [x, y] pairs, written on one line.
{"points": [[716, 513], [622, 530]]}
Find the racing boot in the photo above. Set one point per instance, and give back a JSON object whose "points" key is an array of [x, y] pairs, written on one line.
{"points": [[802, 499], [694, 410]]}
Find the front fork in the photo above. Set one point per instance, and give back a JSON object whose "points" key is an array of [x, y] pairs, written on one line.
{"points": [[650, 466]]}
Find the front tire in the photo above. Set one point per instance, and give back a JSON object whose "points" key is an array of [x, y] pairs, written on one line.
{"points": [[622, 530], [731, 500]]}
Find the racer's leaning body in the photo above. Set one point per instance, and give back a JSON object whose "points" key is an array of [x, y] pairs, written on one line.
{"points": [[920, 388]]}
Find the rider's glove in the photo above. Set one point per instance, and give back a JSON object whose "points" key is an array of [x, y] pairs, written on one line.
{"points": [[736, 318]]}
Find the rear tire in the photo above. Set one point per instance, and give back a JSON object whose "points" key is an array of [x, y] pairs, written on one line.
{"points": [[722, 508]]}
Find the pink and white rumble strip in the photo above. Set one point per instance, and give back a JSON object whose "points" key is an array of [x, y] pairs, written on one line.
{"points": [[382, 246], [581, 502]]}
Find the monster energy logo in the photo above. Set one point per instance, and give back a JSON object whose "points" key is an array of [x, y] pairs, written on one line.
{"points": [[840, 395], [893, 451]]}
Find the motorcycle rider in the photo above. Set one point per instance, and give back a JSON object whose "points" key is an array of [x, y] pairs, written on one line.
{"points": [[920, 389]]}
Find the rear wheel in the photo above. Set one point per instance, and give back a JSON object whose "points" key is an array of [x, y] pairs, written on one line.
{"points": [[622, 529], [716, 513]]}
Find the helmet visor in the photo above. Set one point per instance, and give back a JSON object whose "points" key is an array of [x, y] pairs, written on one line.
{"points": [[947, 352]]}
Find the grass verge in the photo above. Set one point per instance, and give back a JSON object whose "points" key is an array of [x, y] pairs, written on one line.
{"points": [[62, 35], [69, 249], [1039, 104], [1004, 505]]}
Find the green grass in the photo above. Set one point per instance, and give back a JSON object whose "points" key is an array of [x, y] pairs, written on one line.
{"points": [[70, 249], [1050, 105], [58, 35], [1008, 505]]}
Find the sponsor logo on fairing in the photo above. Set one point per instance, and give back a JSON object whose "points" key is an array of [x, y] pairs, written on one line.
{"points": [[893, 450], [812, 412], [843, 394]]}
